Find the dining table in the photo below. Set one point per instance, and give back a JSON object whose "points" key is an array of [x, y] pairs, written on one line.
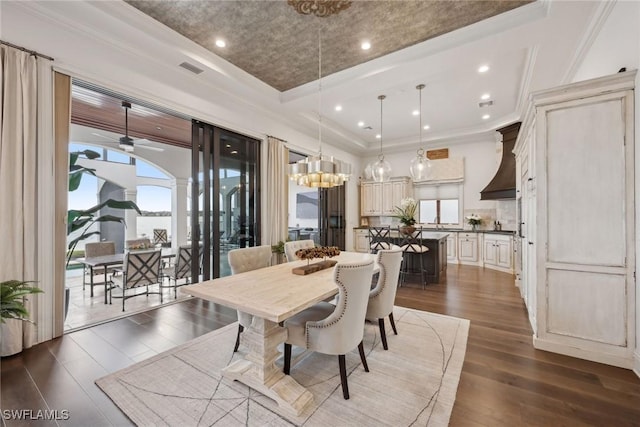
{"points": [[272, 295], [106, 261]]}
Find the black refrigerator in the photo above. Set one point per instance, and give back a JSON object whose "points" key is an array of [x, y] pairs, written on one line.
{"points": [[331, 214]]}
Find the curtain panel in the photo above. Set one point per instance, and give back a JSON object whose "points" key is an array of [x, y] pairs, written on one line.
{"points": [[20, 95], [277, 191]]}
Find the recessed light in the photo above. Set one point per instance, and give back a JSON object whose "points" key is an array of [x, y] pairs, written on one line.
{"points": [[234, 152], [378, 136], [485, 96], [338, 107], [365, 45], [228, 145], [426, 127], [360, 124], [486, 116], [415, 112], [483, 69], [220, 43]]}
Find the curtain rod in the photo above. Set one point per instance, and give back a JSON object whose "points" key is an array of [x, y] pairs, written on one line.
{"points": [[275, 137], [32, 52]]}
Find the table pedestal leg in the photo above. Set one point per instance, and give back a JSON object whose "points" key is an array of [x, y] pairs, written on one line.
{"points": [[259, 371]]}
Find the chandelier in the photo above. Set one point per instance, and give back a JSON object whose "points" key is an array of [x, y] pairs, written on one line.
{"points": [[381, 170], [320, 8], [319, 171], [420, 164]]}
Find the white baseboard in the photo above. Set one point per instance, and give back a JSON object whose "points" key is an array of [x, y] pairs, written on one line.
{"points": [[636, 362], [600, 357]]}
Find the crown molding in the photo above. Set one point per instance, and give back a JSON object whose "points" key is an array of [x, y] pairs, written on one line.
{"points": [[598, 20]]}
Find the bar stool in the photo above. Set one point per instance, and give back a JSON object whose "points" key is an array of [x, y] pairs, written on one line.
{"points": [[412, 247], [380, 239]]}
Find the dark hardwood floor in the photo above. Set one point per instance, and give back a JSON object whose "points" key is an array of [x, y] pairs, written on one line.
{"points": [[504, 382]]}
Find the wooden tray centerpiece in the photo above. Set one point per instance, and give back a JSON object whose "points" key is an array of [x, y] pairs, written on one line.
{"points": [[311, 253]]}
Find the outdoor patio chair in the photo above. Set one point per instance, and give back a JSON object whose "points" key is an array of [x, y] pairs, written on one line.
{"points": [[96, 249], [160, 237], [181, 269], [140, 269]]}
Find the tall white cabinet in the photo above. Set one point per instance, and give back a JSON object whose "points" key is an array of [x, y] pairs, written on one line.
{"points": [[575, 169]]}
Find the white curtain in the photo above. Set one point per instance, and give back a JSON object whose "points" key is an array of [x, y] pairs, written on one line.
{"points": [[277, 191], [18, 184]]}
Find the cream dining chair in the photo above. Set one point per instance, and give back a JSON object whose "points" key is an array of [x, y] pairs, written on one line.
{"points": [[383, 295], [338, 329], [290, 248], [247, 259]]}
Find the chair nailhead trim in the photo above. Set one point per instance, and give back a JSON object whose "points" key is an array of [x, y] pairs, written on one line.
{"points": [[340, 295]]}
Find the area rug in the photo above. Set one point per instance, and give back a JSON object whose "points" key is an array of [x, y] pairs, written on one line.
{"points": [[413, 383]]}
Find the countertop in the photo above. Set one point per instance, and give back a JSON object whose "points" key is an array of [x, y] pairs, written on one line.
{"points": [[457, 230]]}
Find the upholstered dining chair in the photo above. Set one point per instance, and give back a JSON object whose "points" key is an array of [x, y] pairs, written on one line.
{"points": [[338, 329], [140, 269], [247, 259], [290, 248], [181, 269], [383, 295], [96, 249]]}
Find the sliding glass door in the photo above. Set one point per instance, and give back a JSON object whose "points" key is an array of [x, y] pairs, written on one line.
{"points": [[225, 193]]}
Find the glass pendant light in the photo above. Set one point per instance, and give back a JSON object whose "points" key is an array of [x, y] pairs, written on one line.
{"points": [[381, 169], [420, 165]]}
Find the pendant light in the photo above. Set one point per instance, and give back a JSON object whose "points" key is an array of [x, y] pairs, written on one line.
{"points": [[420, 165], [381, 170], [320, 171]]}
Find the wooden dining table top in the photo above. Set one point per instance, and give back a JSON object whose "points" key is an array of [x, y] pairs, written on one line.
{"points": [[274, 293]]}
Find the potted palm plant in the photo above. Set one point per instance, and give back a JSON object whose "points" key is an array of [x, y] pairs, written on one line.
{"points": [[12, 293], [12, 313]]}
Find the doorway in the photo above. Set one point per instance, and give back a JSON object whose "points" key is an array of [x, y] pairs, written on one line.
{"points": [[225, 193]]}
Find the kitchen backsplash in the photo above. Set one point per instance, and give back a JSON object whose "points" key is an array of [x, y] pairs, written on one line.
{"points": [[505, 212]]}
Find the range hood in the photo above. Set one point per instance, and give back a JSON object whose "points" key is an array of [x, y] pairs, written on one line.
{"points": [[503, 185]]}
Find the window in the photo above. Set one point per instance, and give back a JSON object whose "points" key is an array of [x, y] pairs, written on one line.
{"points": [[440, 211]]}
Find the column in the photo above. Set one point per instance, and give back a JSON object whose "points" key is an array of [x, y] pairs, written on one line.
{"points": [[178, 212], [131, 216]]}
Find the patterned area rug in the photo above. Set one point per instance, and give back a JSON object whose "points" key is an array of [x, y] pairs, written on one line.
{"points": [[413, 383]]}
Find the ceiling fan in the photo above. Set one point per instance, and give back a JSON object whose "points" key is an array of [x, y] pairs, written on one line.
{"points": [[125, 142]]}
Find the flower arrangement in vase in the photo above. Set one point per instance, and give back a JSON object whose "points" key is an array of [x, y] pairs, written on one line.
{"points": [[474, 220], [406, 213]]}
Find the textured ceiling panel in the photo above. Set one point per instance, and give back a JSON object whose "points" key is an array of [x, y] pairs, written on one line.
{"points": [[271, 41]]}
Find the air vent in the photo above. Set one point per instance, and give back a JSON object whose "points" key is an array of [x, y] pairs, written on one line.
{"points": [[485, 104], [191, 67]]}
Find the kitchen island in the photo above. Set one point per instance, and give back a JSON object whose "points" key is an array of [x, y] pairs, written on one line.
{"points": [[435, 260]]}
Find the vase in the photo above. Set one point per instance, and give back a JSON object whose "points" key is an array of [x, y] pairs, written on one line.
{"points": [[407, 229], [474, 227]]}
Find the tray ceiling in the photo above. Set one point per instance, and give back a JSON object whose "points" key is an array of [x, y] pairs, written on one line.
{"points": [[276, 44]]}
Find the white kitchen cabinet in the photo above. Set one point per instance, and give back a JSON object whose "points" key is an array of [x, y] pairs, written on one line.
{"points": [[361, 240], [392, 194], [577, 198], [468, 248], [371, 199], [498, 252], [380, 199], [452, 247]]}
